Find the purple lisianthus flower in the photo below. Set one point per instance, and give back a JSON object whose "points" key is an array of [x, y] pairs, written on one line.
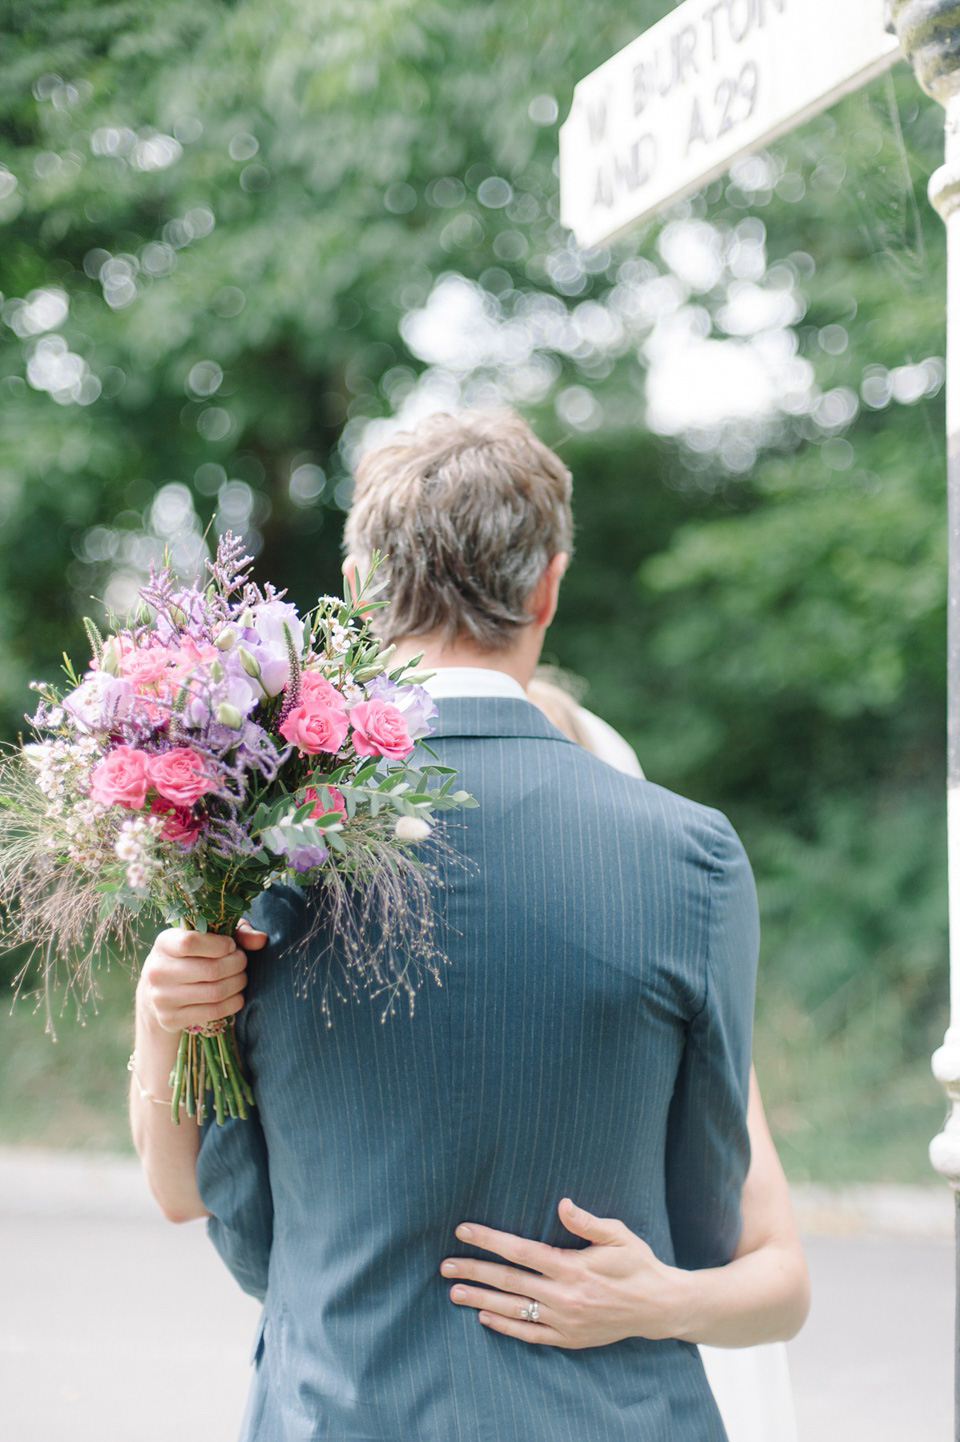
{"points": [[415, 704], [301, 855], [236, 689], [100, 701], [305, 858], [269, 620], [273, 662]]}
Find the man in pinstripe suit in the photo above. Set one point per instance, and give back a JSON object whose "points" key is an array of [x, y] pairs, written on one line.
{"points": [[590, 1040]]}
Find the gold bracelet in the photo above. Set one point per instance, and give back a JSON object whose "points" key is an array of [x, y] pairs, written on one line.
{"points": [[142, 1092]]}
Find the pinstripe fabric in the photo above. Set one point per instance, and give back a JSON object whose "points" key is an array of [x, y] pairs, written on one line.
{"points": [[591, 1037]]}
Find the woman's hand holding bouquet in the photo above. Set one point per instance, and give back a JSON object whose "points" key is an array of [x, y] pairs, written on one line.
{"points": [[216, 743]]}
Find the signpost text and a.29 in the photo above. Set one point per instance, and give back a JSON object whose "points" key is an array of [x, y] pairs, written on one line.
{"points": [[712, 81]]}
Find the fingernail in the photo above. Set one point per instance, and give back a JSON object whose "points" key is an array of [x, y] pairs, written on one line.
{"points": [[448, 1269], [458, 1293], [484, 1316], [464, 1233]]}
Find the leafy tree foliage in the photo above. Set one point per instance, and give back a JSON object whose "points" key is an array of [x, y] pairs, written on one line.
{"points": [[234, 236]]}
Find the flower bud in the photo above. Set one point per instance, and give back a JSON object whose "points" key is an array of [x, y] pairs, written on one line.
{"points": [[412, 828], [217, 672], [246, 620], [110, 660], [249, 663], [228, 715], [226, 639], [177, 615]]}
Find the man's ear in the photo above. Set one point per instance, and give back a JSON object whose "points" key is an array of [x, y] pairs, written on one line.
{"points": [[351, 578], [543, 603]]}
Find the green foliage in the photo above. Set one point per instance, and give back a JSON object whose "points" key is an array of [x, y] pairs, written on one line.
{"points": [[242, 206]]}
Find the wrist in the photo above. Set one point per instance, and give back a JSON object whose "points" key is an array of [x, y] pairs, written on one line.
{"points": [[682, 1297], [154, 1047]]}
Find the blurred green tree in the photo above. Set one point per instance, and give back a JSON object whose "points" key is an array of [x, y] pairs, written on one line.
{"points": [[235, 238]]}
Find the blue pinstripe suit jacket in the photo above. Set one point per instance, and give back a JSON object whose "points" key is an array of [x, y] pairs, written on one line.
{"points": [[591, 1038]]}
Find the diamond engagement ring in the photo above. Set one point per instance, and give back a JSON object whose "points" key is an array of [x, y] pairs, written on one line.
{"points": [[531, 1312]]}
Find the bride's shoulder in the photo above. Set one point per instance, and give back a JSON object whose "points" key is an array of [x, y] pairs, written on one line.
{"points": [[608, 745]]}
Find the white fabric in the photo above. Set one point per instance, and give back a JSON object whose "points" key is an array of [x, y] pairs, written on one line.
{"points": [[751, 1384], [752, 1388], [608, 744], [473, 681]]}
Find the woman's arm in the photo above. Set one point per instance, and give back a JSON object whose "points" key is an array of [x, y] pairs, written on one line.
{"points": [[189, 979], [764, 1294], [616, 1287]]}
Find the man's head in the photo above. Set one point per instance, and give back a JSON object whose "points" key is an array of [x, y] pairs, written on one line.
{"points": [[473, 515]]}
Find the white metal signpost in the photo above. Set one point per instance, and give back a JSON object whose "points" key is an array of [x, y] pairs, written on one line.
{"points": [[714, 80], [711, 82]]}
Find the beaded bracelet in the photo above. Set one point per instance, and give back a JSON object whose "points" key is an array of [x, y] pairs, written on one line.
{"points": [[142, 1092]]}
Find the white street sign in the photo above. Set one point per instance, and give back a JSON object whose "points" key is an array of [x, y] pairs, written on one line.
{"points": [[713, 81]]}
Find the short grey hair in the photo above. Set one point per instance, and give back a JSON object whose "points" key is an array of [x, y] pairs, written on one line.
{"points": [[468, 510]]}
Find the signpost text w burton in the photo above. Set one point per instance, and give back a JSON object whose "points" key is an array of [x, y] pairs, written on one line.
{"points": [[711, 82]]}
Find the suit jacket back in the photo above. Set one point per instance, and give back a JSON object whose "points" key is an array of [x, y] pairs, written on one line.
{"points": [[591, 1038]]}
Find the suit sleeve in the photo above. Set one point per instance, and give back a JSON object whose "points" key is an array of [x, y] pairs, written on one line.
{"points": [[708, 1148], [234, 1182]]}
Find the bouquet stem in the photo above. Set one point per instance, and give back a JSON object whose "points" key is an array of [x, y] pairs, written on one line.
{"points": [[208, 1061]]}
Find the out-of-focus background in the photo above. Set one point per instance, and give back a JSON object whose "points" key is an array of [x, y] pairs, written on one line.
{"points": [[238, 242]]}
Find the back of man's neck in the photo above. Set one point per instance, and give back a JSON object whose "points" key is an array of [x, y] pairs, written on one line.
{"points": [[437, 657]]}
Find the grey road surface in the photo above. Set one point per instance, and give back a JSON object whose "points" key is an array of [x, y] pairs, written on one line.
{"points": [[117, 1327]]}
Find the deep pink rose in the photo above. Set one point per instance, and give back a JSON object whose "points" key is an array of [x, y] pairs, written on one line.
{"points": [[317, 690], [181, 775], [314, 727], [180, 824], [121, 778], [327, 799], [380, 730]]}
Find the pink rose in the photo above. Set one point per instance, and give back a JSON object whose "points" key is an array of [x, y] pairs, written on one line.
{"points": [[143, 669], [121, 779], [190, 656], [180, 825], [181, 775], [327, 799], [380, 730], [314, 727], [318, 690]]}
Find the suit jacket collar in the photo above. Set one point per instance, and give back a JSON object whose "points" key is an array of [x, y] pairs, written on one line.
{"points": [[493, 716]]}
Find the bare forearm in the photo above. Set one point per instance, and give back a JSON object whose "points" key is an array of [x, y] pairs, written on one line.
{"points": [[760, 1297], [167, 1152]]}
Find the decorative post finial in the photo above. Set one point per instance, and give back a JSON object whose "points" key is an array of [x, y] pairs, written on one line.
{"points": [[929, 33]]}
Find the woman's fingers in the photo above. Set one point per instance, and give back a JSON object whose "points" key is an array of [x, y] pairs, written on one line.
{"points": [[194, 978], [176, 942], [537, 1333], [248, 937], [494, 1274], [181, 1017], [195, 970], [551, 1261], [503, 1303], [602, 1231]]}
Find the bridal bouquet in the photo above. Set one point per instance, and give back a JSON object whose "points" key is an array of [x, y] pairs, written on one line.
{"points": [[216, 742]]}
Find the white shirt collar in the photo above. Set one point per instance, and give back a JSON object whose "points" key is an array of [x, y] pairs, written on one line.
{"points": [[473, 681]]}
